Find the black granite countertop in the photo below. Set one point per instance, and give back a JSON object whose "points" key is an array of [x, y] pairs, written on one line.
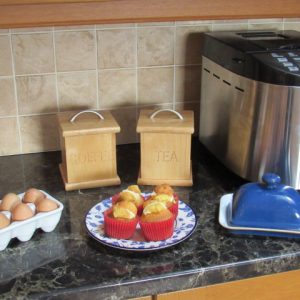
{"points": [[68, 264]]}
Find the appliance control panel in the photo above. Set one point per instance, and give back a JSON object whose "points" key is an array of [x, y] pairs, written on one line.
{"points": [[289, 61]]}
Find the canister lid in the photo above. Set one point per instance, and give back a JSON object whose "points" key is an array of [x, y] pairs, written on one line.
{"points": [[87, 122], [166, 120]]}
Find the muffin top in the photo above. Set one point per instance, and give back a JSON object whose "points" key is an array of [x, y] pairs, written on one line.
{"points": [[124, 210], [164, 189], [168, 200], [132, 194], [155, 211]]}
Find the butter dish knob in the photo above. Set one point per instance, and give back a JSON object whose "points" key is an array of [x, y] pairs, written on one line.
{"points": [[86, 111], [271, 180], [166, 109]]}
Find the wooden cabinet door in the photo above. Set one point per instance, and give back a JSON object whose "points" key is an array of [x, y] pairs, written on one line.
{"points": [[270, 287]]}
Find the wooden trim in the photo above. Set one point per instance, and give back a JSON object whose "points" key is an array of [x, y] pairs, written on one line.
{"points": [[27, 13], [270, 287]]}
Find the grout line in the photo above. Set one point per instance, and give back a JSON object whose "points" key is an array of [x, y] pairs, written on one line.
{"points": [[7, 77], [16, 91], [35, 74], [31, 115], [104, 108], [116, 28], [55, 71], [136, 73], [97, 73], [99, 70], [32, 32], [136, 81], [174, 68]]}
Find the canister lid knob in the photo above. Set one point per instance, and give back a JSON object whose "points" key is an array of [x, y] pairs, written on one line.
{"points": [[271, 180]]}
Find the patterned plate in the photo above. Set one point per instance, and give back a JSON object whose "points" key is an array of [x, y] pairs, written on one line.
{"points": [[185, 225]]}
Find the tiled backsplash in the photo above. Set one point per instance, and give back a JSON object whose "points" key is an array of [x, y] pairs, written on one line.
{"points": [[122, 67]]}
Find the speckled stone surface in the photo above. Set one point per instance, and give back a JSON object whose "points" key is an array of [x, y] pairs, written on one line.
{"points": [[68, 264]]}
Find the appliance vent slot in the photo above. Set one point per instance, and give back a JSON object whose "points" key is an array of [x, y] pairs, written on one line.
{"points": [[239, 89], [206, 70], [228, 83], [215, 75]]}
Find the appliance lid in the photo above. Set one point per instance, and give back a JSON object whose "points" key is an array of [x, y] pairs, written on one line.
{"points": [[267, 56]]}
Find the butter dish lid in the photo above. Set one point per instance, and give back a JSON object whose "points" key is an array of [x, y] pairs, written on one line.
{"points": [[269, 204], [87, 122], [166, 120]]}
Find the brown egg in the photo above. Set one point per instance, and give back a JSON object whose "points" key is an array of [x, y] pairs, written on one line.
{"points": [[21, 212], [4, 221], [9, 201], [33, 195], [46, 205]]}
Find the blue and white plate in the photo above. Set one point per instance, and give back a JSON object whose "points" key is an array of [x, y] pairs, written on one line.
{"points": [[185, 225]]}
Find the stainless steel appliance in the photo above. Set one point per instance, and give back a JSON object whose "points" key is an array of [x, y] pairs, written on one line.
{"points": [[250, 102]]}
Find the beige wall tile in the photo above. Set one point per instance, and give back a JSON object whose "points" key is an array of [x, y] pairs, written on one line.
{"points": [[7, 97], [147, 24], [76, 27], [194, 22], [4, 31], [266, 26], [121, 25], [39, 133], [291, 26], [236, 21], [126, 118], [155, 85], [195, 107], [117, 88], [77, 90], [291, 19], [271, 20], [229, 27], [187, 83], [5, 56], [155, 46], [116, 48], [36, 94], [9, 136], [75, 50], [33, 53], [30, 29], [189, 43]]}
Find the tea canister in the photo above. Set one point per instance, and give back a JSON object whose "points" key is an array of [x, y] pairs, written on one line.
{"points": [[165, 137], [88, 145]]}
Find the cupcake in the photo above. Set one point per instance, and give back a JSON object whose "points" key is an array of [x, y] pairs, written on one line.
{"points": [[165, 194], [157, 222], [120, 220], [131, 194]]}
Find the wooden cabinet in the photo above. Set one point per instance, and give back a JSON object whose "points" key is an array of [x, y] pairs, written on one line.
{"points": [[28, 13], [271, 287], [143, 298]]}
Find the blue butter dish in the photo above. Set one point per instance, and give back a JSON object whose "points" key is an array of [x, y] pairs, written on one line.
{"points": [[269, 204]]}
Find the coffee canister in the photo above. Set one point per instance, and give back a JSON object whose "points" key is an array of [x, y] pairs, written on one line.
{"points": [[88, 145]]}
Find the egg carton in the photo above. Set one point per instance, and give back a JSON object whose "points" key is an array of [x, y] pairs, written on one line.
{"points": [[24, 230]]}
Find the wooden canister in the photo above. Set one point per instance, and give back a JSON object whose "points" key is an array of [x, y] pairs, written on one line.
{"points": [[166, 147], [88, 145]]}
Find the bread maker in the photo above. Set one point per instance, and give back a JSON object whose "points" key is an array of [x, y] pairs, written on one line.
{"points": [[250, 102]]}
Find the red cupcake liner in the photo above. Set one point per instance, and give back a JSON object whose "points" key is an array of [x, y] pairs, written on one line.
{"points": [[158, 231], [119, 229], [174, 208], [114, 198]]}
